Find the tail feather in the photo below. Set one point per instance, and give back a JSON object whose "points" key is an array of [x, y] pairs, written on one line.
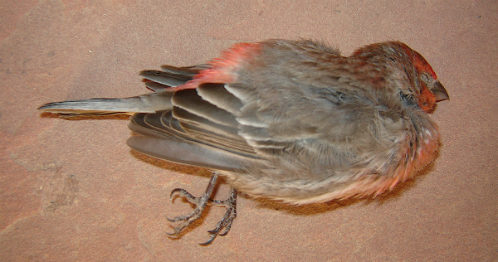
{"points": [[148, 103], [161, 82], [181, 71], [165, 78]]}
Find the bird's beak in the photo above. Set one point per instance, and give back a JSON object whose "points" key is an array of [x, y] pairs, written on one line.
{"points": [[440, 92]]}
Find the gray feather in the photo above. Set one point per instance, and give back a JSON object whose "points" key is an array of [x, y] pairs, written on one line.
{"points": [[189, 100], [148, 103], [180, 151], [165, 78]]}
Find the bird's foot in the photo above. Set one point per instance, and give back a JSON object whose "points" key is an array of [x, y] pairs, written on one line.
{"points": [[222, 227]]}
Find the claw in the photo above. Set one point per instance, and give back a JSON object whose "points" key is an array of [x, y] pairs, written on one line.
{"points": [[210, 240], [180, 192], [225, 224], [174, 234], [200, 203]]}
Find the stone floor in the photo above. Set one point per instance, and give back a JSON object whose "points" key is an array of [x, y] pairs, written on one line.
{"points": [[73, 190]]}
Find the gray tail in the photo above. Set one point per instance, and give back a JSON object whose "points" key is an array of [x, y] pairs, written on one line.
{"points": [[157, 81], [148, 103]]}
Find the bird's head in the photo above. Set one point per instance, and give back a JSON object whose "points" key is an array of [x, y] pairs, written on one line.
{"points": [[426, 90]]}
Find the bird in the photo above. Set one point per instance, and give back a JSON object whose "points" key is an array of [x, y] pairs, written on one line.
{"points": [[288, 120]]}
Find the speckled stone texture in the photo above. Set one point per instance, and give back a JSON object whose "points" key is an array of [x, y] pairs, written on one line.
{"points": [[73, 190]]}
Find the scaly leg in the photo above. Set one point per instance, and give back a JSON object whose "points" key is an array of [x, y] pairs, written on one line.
{"points": [[200, 203]]}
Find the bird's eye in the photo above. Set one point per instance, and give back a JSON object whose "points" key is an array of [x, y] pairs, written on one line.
{"points": [[407, 99], [424, 77]]}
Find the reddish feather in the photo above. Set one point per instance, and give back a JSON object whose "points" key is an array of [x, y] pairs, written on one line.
{"points": [[223, 70]]}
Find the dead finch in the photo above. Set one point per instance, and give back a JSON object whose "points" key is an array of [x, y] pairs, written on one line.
{"points": [[288, 120]]}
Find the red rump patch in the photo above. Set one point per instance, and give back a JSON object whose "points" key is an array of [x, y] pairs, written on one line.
{"points": [[223, 69]]}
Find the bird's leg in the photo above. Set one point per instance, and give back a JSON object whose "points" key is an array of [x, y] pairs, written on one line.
{"points": [[200, 203], [226, 222]]}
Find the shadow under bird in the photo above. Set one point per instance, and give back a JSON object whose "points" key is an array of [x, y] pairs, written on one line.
{"points": [[287, 120]]}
